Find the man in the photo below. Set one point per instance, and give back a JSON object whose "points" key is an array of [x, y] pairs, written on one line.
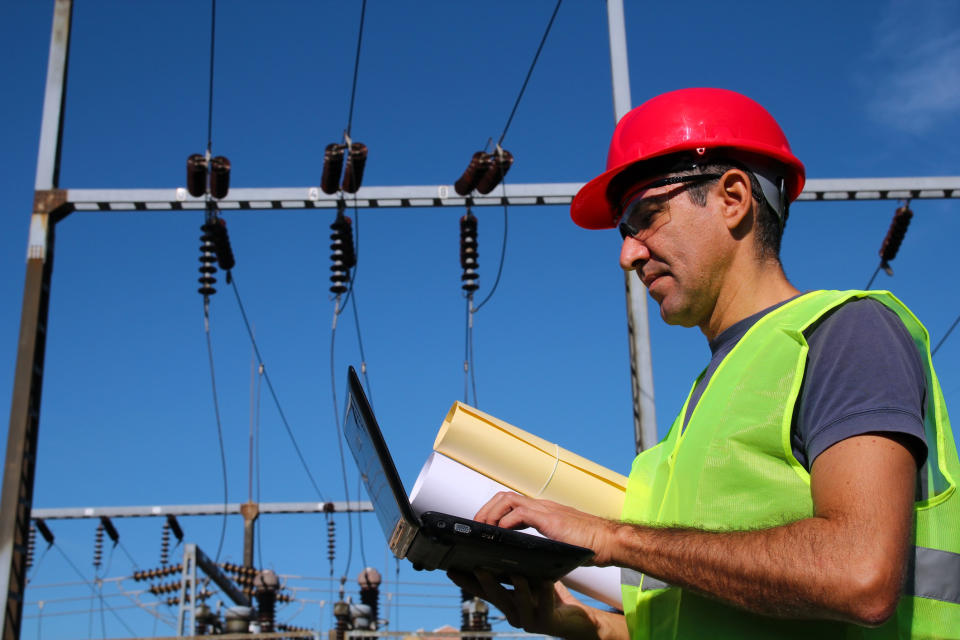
{"points": [[807, 488]]}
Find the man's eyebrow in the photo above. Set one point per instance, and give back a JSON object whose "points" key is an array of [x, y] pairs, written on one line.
{"points": [[650, 203]]}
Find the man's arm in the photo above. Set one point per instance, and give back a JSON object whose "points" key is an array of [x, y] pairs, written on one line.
{"points": [[847, 562]]}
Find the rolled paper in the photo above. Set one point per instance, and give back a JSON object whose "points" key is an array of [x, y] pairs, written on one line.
{"points": [[447, 486], [528, 464]]}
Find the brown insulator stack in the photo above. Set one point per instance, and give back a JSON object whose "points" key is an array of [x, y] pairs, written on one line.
{"points": [[485, 172], [200, 175], [341, 611], [342, 253], [369, 581], [500, 163], [165, 533], [468, 252], [265, 587], [98, 546], [356, 162], [31, 544], [331, 541], [894, 238]]}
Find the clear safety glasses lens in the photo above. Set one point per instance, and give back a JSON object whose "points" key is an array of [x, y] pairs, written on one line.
{"points": [[631, 225]]}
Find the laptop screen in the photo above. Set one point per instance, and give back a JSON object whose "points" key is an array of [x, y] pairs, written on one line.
{"points": [[373, 460]]}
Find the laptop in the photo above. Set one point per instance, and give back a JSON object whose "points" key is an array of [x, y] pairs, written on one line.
{"points": [[435, 540]]}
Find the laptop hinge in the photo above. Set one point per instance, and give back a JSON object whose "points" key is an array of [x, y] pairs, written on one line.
{"points": [[402, 538]]}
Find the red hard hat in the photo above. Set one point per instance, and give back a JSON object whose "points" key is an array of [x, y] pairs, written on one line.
{"points": [[697, 120]]}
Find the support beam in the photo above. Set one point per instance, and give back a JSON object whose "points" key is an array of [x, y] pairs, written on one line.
{"points": [[16, 496], [417, 196], [234, 508], [638, 324]]}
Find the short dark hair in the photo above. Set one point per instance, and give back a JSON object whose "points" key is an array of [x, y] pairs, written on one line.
{"points": [[769, 228]]}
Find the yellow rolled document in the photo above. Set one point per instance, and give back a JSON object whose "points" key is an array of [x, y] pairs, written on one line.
{"points": [[529, 464]]}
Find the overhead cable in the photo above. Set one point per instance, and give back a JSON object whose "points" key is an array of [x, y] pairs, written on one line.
{"points": [[356, 64], [945, 336], [213, 33], [533, 64], [216, 413], [95, 592], [503, 252], [273, 392]]}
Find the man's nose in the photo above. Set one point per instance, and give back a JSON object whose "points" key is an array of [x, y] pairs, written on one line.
{"points": [[633, 253]]}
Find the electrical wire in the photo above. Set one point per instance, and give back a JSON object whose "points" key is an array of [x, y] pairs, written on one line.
{"points": [[356, 65], [129, 557], [273, 392], [336, 421], [36, 565], [216, 412], [473, 366], [468, 364], [516, 104], [945, 336], [213, 32], [259, 470], [363, 553], [503, 135], [353, 302], [466, 352], [94, 590], [503, 248]]}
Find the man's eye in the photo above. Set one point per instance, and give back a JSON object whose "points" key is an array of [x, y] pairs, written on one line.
{"points": [[642, 220]]}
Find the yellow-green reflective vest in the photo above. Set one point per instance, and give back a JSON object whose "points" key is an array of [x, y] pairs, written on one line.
{"points": [[732, 467]]}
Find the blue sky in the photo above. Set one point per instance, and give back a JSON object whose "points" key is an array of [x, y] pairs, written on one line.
{"points": [[862, 89]]}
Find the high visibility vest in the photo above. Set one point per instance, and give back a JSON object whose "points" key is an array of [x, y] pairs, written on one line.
{"points": [[732, 468]]}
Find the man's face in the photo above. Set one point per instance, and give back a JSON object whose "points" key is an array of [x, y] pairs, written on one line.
{"points": [[676, 252]]}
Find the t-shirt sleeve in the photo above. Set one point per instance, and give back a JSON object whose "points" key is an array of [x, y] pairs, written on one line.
{"points": [[863, 375]]}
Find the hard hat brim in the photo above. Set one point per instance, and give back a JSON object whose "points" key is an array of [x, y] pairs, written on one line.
{"points": [[593, 206]]}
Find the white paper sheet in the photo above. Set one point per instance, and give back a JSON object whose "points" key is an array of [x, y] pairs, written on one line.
{"points": [[449, 487]]}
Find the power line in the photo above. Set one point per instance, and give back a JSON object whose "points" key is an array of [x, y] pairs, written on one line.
{"points": [[94, 590], [516, 104], [273, 393], [945, 336], [336, 422], [503, 247], [356, 65], [213, 31], [216, 411]]}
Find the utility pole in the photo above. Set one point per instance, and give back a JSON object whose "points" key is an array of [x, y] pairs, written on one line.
{"points": [[638, 325], [50, 206]]}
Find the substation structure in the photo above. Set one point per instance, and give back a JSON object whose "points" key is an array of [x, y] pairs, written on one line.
{"points": [[53, 203]]}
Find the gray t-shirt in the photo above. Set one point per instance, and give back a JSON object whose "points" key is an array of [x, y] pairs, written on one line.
{"points": [[863, 375]]}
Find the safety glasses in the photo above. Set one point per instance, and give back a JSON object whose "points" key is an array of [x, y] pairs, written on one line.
{"points": [[636, 218]]}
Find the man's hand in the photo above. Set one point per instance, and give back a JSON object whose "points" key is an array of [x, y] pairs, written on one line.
{"points": [[554, 520], [543, 607]]}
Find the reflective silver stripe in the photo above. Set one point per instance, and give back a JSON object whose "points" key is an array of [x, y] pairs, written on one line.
{"points": [[631, 578], [934, 574]]}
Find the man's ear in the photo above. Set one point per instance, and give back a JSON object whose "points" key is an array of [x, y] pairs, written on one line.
{"points": [[736, 197]]}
